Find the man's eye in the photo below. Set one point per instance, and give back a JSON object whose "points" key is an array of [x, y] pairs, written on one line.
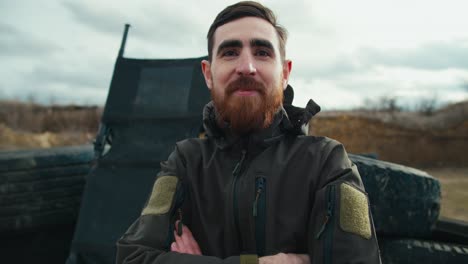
{"points": [[263, 53], [229, 53]]}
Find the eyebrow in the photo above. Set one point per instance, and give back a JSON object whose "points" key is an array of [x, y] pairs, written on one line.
{"points": [[234, 43], [230, 43], [261, 43]]}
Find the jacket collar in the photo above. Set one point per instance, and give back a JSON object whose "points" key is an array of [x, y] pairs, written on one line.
{"points": [[289, 120]]}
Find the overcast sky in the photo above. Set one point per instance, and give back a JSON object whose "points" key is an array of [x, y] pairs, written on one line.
{"points": [[343, 52]]}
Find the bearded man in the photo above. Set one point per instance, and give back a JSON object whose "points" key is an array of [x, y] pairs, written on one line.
{"points": [[255, 189]]}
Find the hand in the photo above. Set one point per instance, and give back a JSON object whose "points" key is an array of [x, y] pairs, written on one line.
{"points": [[185, 243], [285, 258]]}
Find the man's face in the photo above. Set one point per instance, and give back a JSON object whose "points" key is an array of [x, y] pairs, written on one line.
{"points": [[246, 75]]}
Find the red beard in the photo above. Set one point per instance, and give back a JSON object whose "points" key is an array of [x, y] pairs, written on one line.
{"points": [[247, 113]]}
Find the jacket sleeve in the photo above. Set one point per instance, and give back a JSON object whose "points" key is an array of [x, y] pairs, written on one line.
{"points": [[341, 229], [149, 238]]}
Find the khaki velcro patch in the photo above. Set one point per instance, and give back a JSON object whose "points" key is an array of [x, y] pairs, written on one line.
{"points": [[162, 195], [248, 259], [354, 211]]}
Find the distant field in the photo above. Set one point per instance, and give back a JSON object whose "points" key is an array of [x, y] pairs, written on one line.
{"points": [[406, 138], [409, 138], [15, 139], [25, 125], [454, 183]]}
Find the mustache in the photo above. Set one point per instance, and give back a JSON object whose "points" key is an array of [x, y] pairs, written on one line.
{"points": [[245, 83]]}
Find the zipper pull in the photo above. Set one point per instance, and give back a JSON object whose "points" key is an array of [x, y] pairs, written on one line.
{"points": [[239, 164], [329, 214], [323, 227], [180, 225], [259, 192]]}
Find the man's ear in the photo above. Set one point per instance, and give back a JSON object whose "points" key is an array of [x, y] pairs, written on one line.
{"points": [[287, 66], [206, 69]]}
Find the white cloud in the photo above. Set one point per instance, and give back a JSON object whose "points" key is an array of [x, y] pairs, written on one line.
{"points": [[342, 51], [326, 93]]}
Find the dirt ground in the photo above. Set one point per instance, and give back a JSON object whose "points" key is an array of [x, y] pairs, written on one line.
{"points": [[454, 183]]}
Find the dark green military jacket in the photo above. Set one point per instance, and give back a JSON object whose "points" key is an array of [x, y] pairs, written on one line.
{"points": [[262, 194]]}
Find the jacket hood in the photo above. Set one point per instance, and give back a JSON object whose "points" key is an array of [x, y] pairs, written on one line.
{"points": [[289, 120]]}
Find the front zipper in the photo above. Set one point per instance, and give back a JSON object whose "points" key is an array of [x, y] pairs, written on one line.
{"points": [[180, 225], [235, 174], [328, 226], [259, 212]]}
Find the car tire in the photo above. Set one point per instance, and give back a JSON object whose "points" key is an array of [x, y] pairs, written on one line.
{"points": [[40, 188], [410, 251], [405, 202]]}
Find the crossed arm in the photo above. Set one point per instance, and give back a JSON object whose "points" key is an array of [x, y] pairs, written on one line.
{"points": [[187, 244]]}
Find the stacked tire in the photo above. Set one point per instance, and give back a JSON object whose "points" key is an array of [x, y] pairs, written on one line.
{"points": [[405, 204], [40, 195]]}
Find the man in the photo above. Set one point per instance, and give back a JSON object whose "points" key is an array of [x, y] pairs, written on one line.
{"points": [[254, 190]]}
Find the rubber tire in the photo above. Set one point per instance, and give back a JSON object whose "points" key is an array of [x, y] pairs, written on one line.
{"points": [[451, 230], [405, 202], [403, 251], [42, 188]]}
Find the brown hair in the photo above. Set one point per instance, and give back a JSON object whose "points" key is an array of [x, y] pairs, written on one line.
{"points": [[247, 9]]}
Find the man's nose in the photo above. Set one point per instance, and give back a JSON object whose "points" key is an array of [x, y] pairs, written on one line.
{"points": [[246, 65]]}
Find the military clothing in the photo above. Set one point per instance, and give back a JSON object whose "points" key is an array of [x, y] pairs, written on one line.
{"points": [[269, 192]]}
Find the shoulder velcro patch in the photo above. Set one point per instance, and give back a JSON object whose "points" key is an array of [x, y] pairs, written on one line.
{"points": [[354, 211], [248, 259], [162, 195]]}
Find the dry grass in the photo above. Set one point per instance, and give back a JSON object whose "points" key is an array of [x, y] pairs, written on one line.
{"points": [[25, 125], [402, 137], [13, 140], [454, 183], [40, 119], [448, 117], [407, 138]]}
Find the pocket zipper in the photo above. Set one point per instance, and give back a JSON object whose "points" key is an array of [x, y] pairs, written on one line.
{"points": [[180, 225], [328, 225], [260, 184], [259, 212], [330, 207]]}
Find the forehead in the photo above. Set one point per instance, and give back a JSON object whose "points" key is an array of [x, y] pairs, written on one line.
{"points": [[245, 29]]}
